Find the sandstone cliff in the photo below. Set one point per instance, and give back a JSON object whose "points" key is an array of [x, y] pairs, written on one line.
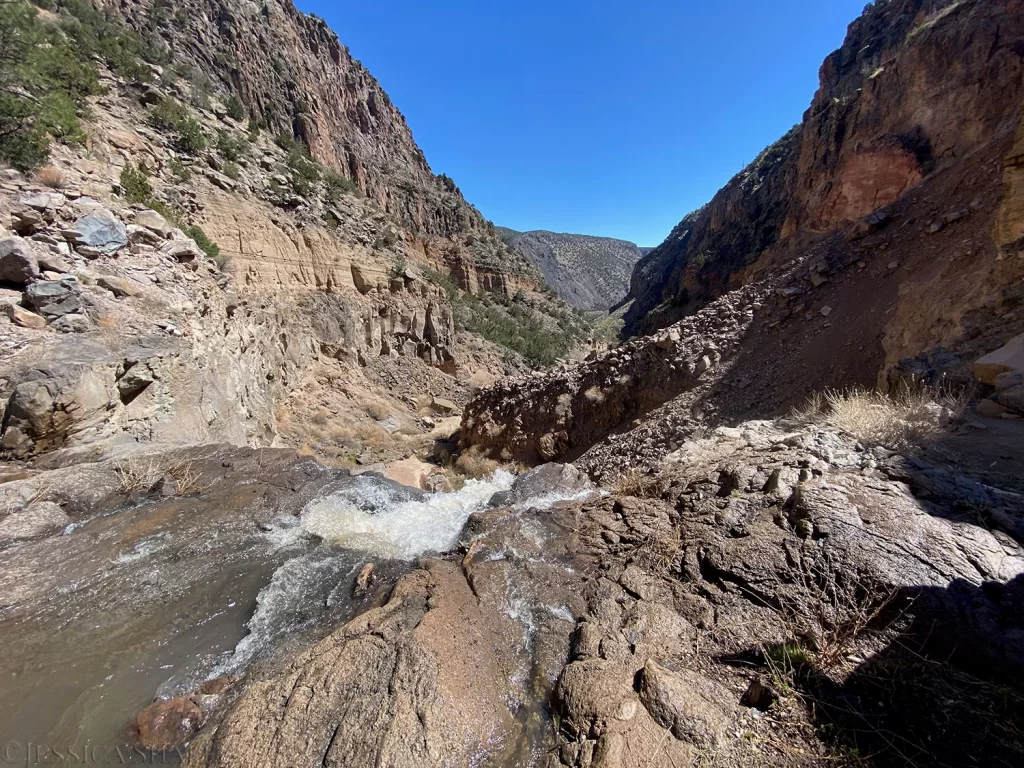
{"points": [[899, 114]]}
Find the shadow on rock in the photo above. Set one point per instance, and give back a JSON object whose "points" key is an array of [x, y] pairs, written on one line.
{"points": [[947, 690]]}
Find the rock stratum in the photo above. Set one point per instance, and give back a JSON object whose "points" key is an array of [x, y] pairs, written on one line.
{"points": [[589, 272], [196, 273]]}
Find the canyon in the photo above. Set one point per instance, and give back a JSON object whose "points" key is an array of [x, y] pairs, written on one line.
{"points": [[305, 462]]}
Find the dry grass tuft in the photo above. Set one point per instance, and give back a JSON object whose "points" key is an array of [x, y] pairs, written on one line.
{"points": [[142, 473], [473, 463], [51, 177], [139, 473], [902, 422], [378, 409], [640, 483]]}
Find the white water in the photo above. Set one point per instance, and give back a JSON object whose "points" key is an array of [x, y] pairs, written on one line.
{"points": [[371, 517]]}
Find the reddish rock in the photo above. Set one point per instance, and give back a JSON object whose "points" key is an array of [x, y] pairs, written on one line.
{"points": [[169, 723]]}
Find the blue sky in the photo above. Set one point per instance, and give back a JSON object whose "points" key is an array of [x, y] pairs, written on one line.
{"points": [[600, 117]]}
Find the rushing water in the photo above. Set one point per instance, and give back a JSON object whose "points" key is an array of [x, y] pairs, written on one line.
{"points": [[156, 598]]}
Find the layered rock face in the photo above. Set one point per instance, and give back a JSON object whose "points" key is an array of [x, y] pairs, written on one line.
{"points": [[588, 272], [898, 106], [291, 71], [335, 251], [296, 78]]}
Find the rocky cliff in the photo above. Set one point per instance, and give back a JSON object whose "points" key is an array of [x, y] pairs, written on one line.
{"points": [[900, 108], [282, 253], [588, 272]]}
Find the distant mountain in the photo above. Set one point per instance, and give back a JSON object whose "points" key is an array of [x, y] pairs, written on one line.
{"points": [[588, 272]]}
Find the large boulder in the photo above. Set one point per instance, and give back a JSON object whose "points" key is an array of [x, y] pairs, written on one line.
{"points": [[100, 232], [55, 298], [58, 400], [18, 263], [1009, 357]]}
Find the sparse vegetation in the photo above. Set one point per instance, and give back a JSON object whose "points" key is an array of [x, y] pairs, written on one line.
{"points": [[210, 248], [141, 474], [45, 78], [235, 109], [512, 322], [399, 266], [932, 20], [336, 185], [51, 177], [178, 170], [640, 483], [135, 185], [171, 116], [231, 147], [901, 422], [472, 463]]}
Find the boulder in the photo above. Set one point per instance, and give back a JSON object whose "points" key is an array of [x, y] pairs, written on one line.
{"points": [[73, 323], [26, 221], [1012, 398], [24, 318], [119, 286], [35, 521], [154, 222], [43, 201], [51, 262], [686, 704], [442, 406], [18, 262], [55, 298], [182, 250], [1008, 380], [168, 724], [990, 408], [100, 233], [545, 480], [1008, 358]]}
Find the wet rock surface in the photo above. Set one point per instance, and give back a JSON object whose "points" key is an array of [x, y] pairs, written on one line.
{"points": [[645, 621]]}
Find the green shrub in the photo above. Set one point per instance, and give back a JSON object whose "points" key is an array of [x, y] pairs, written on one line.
{"points": [[190, 136], [171, 116], [235, 109], [231, 171], [96, 34], [167, 114], [336, 185], [179, 170], [230, 147], [301, 166], [210, 248], [399, 266], [135, 185]]}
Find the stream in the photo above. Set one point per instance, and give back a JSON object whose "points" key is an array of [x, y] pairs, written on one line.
{"points": [[154, 597]]}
